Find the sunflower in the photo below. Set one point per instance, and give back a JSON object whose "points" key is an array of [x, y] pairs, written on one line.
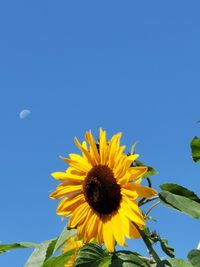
{"points": [[72, 243], [100, 190]]}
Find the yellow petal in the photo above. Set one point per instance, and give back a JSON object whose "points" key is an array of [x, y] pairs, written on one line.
{"points": [[80, 165], [117, 229], [68, 204], [113, 149], [85, 152], [91, 228], [137, 172], [130, 193], [93, 147], [127, 226], [63, 190], [79, 215], [100, 232], [108, 235], [132, 212], [139, 190], [102, 146], [64, 176]]}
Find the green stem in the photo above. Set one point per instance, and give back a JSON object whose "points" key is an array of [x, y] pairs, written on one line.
{"points": [[153, 206], [147, 200], [149, 245]]}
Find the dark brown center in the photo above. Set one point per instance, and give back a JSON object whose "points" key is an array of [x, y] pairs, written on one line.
{"points": [[101, 190]]}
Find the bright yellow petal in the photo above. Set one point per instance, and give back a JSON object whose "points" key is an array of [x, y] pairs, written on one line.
{"points": [[100, 232], [137, 172], [113, 149], [69, 204], [78, 215], [64, 189], [64, 176], [85, 152], [127, 226], [133, 212], [102, 146], [80, 165], [130, 193], [91, 227], [108, 235], [93, 147], [117, 229], [139, 190]]}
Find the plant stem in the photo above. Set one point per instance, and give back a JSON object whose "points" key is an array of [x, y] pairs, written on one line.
{"points": [[146, 200], [149, 245], [153, 206]]}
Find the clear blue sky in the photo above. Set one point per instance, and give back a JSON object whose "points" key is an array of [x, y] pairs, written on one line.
{"points": [[130, 66]]}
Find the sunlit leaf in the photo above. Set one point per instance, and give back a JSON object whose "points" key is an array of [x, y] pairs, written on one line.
{"points": [[180, 198], [194, 257], [195, 148], [128, 259], [92, 255], [58, 261], [173, 263], [6, 247], [39, 255], [64, 236], [180, 190], [183, 204]]}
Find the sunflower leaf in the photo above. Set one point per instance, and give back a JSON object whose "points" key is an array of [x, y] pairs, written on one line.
{"points": [[58, 261], [128, 259], [194, 257], [180, 203], [173, 263], [92, 255], [195, 148], [40, 254], [6, 247], [180, 190], [64, 236]]}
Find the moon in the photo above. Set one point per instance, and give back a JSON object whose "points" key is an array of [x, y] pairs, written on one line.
{"points": [[24, 113]]}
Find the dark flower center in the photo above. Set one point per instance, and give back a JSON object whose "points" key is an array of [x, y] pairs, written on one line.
{"points": [[101, 190]]}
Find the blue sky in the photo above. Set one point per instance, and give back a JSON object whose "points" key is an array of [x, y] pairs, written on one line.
{"points": [[130, 66]]}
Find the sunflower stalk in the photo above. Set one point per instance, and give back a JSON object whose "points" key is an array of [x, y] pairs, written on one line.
{"points": [[149, 245]]}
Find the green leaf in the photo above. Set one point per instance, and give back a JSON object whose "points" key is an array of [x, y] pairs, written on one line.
{"points": [[59, 261], [194, 257], [180, 198], [64, 236], [195, 148], [40, 254], [180, 190], [150, 172], [166, 248], [5, 247], [93, 256], [128, 259], [180, 203], [173, 263], [179, 263]]}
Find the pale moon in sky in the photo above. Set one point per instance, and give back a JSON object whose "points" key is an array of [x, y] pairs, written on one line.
{"points": [[24, 113]]}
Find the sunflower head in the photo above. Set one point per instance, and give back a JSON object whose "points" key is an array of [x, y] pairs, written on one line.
{"points": [[99, 191]]}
